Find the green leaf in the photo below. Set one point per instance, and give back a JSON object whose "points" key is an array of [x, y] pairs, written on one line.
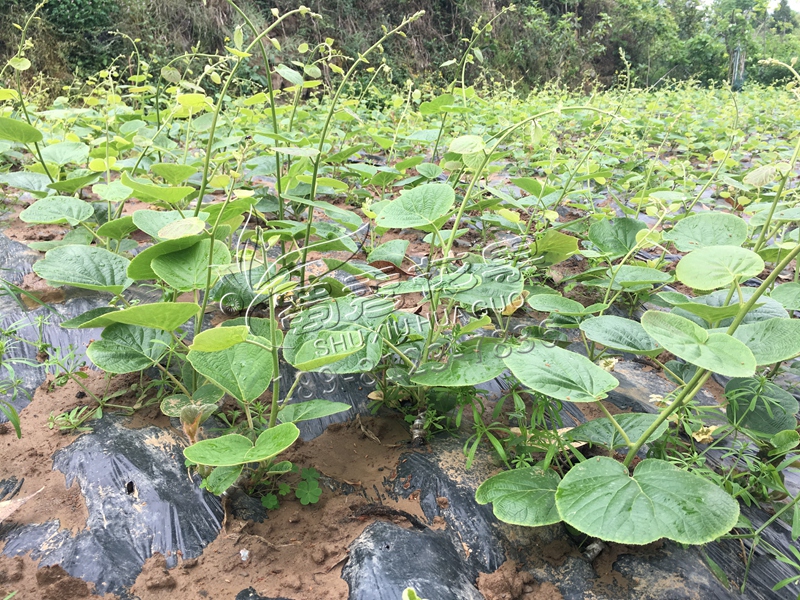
{"points": [[64, 153], [615, 237], [224, 451], [620, 334], [167, 316], [707, 229], [600, 499], [629, 275], [153, 221], [18, 131], [498, 286], [718, 266], [422, 206], [172, 173], [429, 170], [117, 229], [172, 406], [77, 322], [327, 348], [243, 370], [393, 251], [308, 492], [182, 228], [552, 248], [771, 341], [113, 192], [365, 314], [788, 294], [717, 352], [760, 405], [149, 191], [551, 303], [127, 348], [560, 373], [222, 478], [74, 182], [273, 441], [36, 183], [709, 314], [187, 269], [85, 267], [765, 308], [474, 362], [602, 431], [312, 409], [219, 338], [57, 209], [524, 497], [467, 144], [140, 267]]}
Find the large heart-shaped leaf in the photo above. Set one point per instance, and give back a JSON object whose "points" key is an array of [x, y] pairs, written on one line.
{"points": [[707, 229], [127, 348], [233, 449], [86, 267], [599, 498], [167, 316], [602, 431], [522, 496], [187, 269], [717, 352], [560, 373], [718, 266], [243, 370], [57, 209], [620, 334], [760, 405], [771, 341], [419, 207]]}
